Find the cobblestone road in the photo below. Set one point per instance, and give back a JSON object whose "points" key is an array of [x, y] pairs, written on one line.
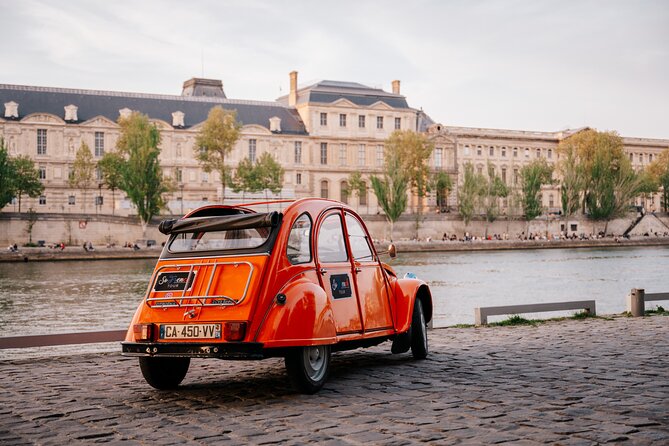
{"points": [[572, 382]]}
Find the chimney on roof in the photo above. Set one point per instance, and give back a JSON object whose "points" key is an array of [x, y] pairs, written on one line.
{"points": [[292, 96], [396, 87], [203, 87]]}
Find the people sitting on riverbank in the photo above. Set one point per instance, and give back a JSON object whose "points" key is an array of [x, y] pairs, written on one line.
{"points": [[13, 248]]}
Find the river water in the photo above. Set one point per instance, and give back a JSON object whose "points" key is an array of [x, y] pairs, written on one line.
{"points": [[62, 297]]}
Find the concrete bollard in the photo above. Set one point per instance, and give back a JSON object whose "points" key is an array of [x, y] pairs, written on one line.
{"points": [[636, 303]]}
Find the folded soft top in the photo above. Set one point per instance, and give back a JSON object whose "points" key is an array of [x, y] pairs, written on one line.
{"points": [[220, 223]]}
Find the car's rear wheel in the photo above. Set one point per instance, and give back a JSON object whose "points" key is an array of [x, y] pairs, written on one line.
{"points": [[308, 367], [164, 373], [418, 331]]}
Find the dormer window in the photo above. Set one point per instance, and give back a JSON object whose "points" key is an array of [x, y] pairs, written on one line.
{"points": [[11, 109], [71, 112], [178, 119], [275, 124], [125, 113]]}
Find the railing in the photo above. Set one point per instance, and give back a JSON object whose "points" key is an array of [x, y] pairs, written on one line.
{"points": [[481, 313], [636, 300]]}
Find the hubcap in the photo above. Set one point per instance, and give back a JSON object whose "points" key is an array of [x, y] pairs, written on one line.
{"points": [[315, 361]]}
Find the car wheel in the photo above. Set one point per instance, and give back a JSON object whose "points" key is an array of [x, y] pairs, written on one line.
{"points": [[418, 332], [164, 373], [308, 367]]}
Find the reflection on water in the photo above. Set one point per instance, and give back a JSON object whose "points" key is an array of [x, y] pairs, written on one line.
{"points": [[462, 281], [60, 297]]}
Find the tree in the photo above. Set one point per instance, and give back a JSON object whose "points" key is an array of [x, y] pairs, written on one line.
{"points": [[269, 174], [216, 138], [442, 184], [7, 175], [532, 177], [659, 171], [30, 223], [391, 189], [356, 185], [111, 168], [493, 189], [83, 171], [142, 178], [472, 185], [572, 178], [26, 178], [245, 179]]}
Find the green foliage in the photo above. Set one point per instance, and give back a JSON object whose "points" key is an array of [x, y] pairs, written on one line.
{"points": [[533, 176], [391, 189], [263, 175], [659, 172], [572, 178], [468, 194], [83, 170], [413, 151], [442, 184], [26, 178], [142, 178], [216, 139], [493, 189], [513, 320], [6, 176], [356, 185], [244, 179], [30, 223], [111, 167], [583, 315]]}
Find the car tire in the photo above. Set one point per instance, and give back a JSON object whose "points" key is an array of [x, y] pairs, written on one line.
{"points": [[418, 332], [164, 373], [308, 367]]}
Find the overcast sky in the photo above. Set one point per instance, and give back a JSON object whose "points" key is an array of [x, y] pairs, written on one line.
{"points": [[515, 64]]}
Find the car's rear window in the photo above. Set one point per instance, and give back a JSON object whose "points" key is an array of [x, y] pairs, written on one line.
{"points": [[219, 240]]}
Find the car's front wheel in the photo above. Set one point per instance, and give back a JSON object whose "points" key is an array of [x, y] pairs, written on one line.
{"points": [[164, 373], [308, 367], [418, 332]]}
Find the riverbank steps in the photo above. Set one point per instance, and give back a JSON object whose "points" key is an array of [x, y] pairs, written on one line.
{"points": [[572, 382]]}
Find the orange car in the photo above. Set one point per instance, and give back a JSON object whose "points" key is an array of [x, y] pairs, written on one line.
{"points": [[232, 283]]}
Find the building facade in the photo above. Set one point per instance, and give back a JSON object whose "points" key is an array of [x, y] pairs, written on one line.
{"points": [[320, 134]]}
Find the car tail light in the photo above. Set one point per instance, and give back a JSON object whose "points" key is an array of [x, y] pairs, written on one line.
{"points": [[143, 332], [234, 331]]}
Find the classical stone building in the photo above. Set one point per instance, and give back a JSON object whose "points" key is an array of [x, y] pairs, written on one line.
{"points": [[320, 134]]}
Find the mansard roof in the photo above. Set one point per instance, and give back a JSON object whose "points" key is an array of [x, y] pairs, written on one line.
{"points": [[93, 103], [327, 92]]}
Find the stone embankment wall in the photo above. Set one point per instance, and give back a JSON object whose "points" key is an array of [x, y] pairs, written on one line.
{"points": [[74, 229]]}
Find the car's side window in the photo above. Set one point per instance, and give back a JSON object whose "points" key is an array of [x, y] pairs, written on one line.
{"points": [[357, 238], [331, 247], [299, 246]]}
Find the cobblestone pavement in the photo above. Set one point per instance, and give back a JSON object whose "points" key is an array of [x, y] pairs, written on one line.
{"points": [[573, 382]]}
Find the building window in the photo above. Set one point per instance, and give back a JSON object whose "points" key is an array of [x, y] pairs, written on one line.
{"points": [[178, 174], [178, 150], [361, 155], [398, 123], [325, 190], [342, 120], [650, 157], [504, 151], [342, 154], [467, 150], [527, 152], [42, 200], [324, 153], [515, 177], [641, 158], [549, 154], [252, 150], [205, 177], [42, 173], [491, 151], [504, 175], [479, 170], [438, 153], [479, 150], [298, 178], [99, 143], [551, 201], [324, 119], [631, 157], [379, 122], [298, 152], [362, 198], [71, 200], [515, 152], [343, 192], [41, 141], [538, 153], [379, 156], [361, 121], [99, 200], [98, 174]]}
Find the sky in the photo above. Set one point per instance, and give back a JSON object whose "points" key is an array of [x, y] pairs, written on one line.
{"points": [[535, 65]]}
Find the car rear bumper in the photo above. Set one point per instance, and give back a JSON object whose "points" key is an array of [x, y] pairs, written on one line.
{"points": [[241, 350]]}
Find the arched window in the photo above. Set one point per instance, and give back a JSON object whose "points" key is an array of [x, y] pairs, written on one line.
{"points": [[343, 192], [325, 189]]}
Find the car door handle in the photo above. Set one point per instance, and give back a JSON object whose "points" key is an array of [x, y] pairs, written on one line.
{"points": [[323, 271]]}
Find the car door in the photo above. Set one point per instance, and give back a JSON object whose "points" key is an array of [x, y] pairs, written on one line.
{"points": [[368, 277], [336, 273]]}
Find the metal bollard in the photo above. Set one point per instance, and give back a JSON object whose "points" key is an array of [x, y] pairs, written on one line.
{"points": [[636, 303]]}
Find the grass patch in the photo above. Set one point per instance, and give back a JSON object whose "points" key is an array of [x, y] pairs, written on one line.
{"points": [[462, 326], [513, 320], [659, 310], [583, 315]]}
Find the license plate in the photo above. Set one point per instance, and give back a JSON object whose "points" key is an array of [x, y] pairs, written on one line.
{"points": [[190, 331]]}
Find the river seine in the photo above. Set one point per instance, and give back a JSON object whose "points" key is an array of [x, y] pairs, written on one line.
{"points": [[61, 297]]}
